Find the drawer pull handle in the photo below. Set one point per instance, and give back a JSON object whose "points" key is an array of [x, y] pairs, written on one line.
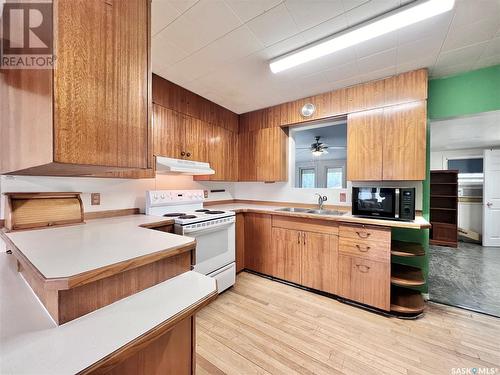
{"points": [[362, 268], [363, 250], [363, 234]]}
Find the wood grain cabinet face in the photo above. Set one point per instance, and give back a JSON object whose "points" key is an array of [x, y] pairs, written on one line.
{"points": [[167, 132], [365, 281], [287, 245], [319, 261], [405, 142], [260, 255], [365, 145], [101, 83], [263, 155]]}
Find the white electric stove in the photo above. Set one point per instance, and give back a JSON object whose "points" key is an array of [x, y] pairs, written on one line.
{"points": [[214, 230]]}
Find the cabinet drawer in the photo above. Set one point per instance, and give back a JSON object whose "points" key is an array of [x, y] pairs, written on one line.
{"points": [[365, 249], [365, 281], [365, 233]]}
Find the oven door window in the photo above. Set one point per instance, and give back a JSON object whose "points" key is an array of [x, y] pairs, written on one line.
{"points": [[214, 248], [376, 202]]}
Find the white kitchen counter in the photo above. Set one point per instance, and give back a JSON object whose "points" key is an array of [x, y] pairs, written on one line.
{"points": [[72, 250], [418, 223], [30, 343]]}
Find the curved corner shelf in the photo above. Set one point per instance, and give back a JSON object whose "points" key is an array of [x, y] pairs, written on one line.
{"points": [[406, 301], [406, 276], [407, 249]]}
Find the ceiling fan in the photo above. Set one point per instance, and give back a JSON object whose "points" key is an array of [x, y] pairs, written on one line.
{"points": [[318, 148]]}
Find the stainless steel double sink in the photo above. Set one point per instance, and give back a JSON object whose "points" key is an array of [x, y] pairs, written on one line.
{"points": [[311, 211]]}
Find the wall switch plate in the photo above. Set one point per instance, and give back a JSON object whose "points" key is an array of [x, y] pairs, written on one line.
{"points": [[205, 193], [95, 199], [343, 197]]}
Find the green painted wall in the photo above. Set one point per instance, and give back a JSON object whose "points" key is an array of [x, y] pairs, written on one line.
{"points": [[464, 94]]}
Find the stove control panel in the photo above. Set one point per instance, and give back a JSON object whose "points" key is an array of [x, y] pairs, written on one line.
{"points": [[174, 197]]}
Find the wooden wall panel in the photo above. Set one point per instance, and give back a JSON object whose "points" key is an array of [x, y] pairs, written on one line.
{"points": [[172, 96], [101, 83], [404, 151], [402, 88], [365, 136]]}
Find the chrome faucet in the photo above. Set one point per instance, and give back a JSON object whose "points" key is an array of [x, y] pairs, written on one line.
{"points": [[321, 200]]}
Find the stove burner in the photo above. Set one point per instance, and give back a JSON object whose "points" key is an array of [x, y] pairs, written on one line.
{"points": [[214, 212], [174, 214], [187, 217], [202, 210]]}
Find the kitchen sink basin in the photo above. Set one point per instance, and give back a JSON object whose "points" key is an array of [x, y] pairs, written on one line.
{"points": [[311, 211], [293, 209], [326, 212]]}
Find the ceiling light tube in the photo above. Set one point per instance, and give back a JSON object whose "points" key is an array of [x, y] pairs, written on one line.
{"points": [[385, 24]]}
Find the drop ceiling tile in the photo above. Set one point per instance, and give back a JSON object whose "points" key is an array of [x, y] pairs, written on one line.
{"points": [[428, 48], [307, 14], [370, 10], [443, 71], [273, 26], [492, 48], [203, 23], [378, 61], [164, 53], [467, 10], [342, 72], [235, 45], [471, 33], [416, 63], [484, 62], [468, 54], [162, 14], [387, 71], [376, 45], [182, 5], [436, 27], [248, 9]]}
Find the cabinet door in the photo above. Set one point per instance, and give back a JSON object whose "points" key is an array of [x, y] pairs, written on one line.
{"points": [[287, 245], [240, 242], [271, 154], [222, 153], [260, 255], [101, 83], [247, 167], [319, 261], [405, 142], [167, 133], [365, 136], [196, 137], [365, 281]]}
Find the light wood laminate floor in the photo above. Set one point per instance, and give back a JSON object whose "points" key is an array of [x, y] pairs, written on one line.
{"points": [[265, 327]]}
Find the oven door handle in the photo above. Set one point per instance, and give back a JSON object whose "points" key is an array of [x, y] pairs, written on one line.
{"points": [[202, 230]]}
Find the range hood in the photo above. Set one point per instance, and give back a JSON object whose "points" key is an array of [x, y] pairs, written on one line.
{"points": [[179, 166]]}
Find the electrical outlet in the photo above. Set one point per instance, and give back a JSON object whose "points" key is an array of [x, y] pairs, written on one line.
{"points": [[95, 199], [343, 197], [205, 193]]}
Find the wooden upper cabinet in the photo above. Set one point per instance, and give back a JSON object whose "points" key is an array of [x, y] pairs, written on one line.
{"points": [[404, 152], [365, 135], [388, 143], [167, 132], [263, 155], [222, 154], [196, 138], [97, 119]]}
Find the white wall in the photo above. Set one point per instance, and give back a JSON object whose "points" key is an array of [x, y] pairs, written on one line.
{"points": [[439, 159], [115, 193]]}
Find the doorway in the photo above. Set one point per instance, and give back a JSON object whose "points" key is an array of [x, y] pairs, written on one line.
{"points": [[463, 272]]}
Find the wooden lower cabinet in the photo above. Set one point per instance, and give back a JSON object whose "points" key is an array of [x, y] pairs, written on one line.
{"points": [[287, 245], [260, 254], [319, 261], [365, 281], [240, 242]]}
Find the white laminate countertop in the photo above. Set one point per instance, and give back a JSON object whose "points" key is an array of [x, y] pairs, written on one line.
{"points": [[72, 250], [418, 223], [30, 343]]}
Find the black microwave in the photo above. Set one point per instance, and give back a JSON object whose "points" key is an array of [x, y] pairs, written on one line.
{"points": [[384, 202]]}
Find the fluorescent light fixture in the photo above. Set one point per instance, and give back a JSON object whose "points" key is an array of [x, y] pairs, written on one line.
{"points": [[385, 24]]}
